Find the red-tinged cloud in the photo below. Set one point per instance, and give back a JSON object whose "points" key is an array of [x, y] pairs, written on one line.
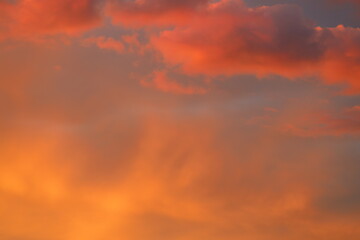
{"points": [[106, 43], [153, 12], [341, 59], [162, 82], [232, 39], [32, 18]]}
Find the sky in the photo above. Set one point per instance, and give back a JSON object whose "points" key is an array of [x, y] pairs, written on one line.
{"points": [[179, 119]]}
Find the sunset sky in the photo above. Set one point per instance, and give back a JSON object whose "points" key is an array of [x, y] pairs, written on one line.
{"points": [[180, 119]]}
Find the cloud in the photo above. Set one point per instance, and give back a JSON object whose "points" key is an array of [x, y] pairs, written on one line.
{"points": [[34, 18], [232, 39], [206, 37]]}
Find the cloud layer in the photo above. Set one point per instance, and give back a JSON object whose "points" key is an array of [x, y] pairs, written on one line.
{"points": [[210, 38], [231, 39]]}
